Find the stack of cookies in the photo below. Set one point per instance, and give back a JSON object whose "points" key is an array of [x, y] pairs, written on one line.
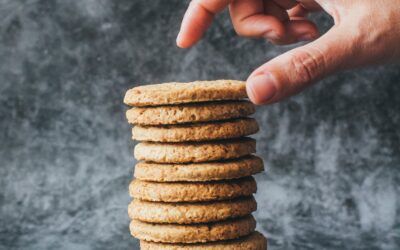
{"points": [[193, 186]]}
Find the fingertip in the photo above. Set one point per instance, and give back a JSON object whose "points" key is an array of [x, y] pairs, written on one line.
{"points": [[195, 22], [184, 41], [179, 42], [250, 92], [275, 35], [261, 88], [184, 44]]}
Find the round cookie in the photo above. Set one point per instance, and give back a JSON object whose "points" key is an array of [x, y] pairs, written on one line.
{"points": [[174, 233], [190, 213], [194, 151], [254, 241], [206, 171], [192, 191], [197, 131], [189, 113], [175, 92]]}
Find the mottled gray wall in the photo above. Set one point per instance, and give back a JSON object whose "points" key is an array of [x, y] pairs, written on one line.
{"points": [[332, 153]]}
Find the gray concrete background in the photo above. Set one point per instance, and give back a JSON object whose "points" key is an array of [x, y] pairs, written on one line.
{"points": [[332, 152]]}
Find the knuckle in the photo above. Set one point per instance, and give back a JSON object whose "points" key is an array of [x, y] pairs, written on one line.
{"points": [[308, 65]]}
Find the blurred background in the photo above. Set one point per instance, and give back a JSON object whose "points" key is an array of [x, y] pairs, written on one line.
{"points": [[332, 153]]}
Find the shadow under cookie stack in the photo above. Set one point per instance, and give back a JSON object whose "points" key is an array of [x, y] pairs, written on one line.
{"points": [[193, 186]]}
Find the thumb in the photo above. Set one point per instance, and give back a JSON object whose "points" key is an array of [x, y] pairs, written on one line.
{"points": [[297, 69]]}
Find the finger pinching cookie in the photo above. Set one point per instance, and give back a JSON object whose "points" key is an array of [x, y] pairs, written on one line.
{"points": [[193, 186]]}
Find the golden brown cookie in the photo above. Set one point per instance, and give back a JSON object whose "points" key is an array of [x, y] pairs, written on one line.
{"points": [[194, 151], [190, 213], [192, 191], [254, 241], [206, 171], [175, 92], [175, 233], [189, 113], [217, 130]]}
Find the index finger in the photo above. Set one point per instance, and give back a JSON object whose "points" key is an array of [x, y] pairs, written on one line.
{"points": [[197, 19]]}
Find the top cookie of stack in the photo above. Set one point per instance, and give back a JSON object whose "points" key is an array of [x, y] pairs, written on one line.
{"points": [[177, 93]]}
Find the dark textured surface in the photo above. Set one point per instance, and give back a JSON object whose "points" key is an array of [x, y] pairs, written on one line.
{"points": [[332, 153]]}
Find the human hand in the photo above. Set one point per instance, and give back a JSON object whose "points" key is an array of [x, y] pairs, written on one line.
{"points": [[366, 32]]}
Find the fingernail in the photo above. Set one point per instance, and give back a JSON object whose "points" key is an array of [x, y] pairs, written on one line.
{"points": [[306, 37], [261, 88]]}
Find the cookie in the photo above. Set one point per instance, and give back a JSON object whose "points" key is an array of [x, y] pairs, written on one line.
{"points": [[254, 241], [197, 131], [190, 213], [174, 233], [194, 151], [175, 92], [206, 171], [192, 191], [189, 113]]}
